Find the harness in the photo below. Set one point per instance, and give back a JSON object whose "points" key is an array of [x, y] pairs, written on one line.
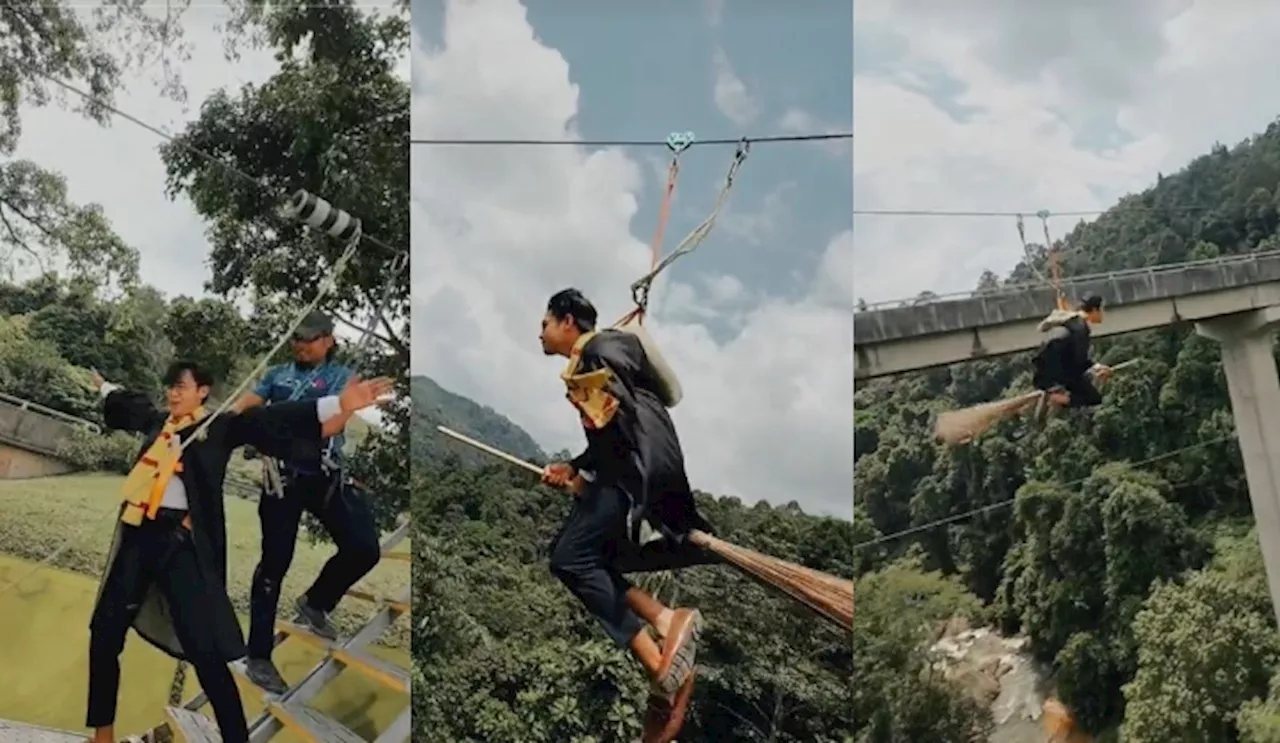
{"points": [[272, 479]]}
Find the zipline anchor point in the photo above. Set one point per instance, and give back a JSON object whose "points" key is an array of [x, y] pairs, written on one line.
{"points": [[319, 214]]}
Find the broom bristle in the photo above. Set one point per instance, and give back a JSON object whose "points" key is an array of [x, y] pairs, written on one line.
{"points": [[962, 426], [827, 595]]}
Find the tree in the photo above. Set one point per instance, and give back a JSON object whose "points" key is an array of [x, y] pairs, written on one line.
{"points": [[42, 42], [333, 121], [210, 332], [1204, 649]]}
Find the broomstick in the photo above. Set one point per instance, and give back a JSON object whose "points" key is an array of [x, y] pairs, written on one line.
{"points": [[957, 427], [826, 595]]}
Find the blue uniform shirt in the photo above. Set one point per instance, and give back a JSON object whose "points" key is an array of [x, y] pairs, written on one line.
{"points": [[287, 382]]}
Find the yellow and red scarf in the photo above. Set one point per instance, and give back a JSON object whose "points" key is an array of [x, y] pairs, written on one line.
{"points": [[143, 489], [589, 392]]}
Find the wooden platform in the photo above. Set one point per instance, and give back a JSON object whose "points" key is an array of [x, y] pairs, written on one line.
{"points": [[192, 727], [310, 725], [17, 732]]}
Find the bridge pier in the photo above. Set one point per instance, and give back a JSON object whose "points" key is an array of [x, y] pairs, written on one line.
{"points": [[1254, 385]]}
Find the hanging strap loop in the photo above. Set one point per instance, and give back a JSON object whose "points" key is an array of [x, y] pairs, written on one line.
{"points": [[640, 290]]}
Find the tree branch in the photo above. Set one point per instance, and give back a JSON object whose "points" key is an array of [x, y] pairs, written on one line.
{"points": [[17, 239]]}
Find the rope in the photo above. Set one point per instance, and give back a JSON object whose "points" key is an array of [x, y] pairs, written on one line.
{"points": [[1001, 504], [1055, 267], [677, 143], [1026, 250], [640, 290], [1054, 259]]}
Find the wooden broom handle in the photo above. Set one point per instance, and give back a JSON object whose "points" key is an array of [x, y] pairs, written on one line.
{"points": [[517, 461]]}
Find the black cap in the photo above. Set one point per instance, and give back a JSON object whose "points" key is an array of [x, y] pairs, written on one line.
{"points": [[315, 325], [1091, 303]]}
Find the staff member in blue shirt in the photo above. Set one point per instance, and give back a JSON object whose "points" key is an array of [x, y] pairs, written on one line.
{"points": [[312, 480]]}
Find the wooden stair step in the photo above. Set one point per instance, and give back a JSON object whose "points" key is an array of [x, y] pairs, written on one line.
{"points": [[398, 555], [192, 727], [310, 725], [397, 604], [302, 633], [388, 674]]}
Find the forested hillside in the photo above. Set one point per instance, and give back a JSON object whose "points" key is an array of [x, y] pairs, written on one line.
{"points": [[508, 654], [1118, 541], [433, 406]]}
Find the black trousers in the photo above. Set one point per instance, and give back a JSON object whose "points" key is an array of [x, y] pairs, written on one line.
{"points": [[159, 553], [347, 518], [1083, 393], [592, 552]]}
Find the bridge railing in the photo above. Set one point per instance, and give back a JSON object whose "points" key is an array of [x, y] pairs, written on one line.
{"points": [[50, 412], [1023, 286]]}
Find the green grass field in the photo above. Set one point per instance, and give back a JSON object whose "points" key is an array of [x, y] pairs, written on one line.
{"points": [[44, 616]]}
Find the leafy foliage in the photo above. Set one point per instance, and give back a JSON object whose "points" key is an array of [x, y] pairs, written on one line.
{"points": [[510, 655]]}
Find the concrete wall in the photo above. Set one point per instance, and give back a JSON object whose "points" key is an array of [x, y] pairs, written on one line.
{"points": [[903, 339], [17, 464], [29, 442]]}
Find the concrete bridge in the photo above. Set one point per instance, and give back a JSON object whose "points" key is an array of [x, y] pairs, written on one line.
{"points": [[1234, 301], [29, 437], [923, 334]]}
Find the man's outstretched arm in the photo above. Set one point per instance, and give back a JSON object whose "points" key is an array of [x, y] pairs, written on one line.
{"points": [[124, 410]]}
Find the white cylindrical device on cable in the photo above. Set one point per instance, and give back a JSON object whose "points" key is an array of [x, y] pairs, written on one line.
{"points": [[319, 214]]}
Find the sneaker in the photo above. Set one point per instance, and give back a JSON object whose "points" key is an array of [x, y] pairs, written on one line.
{"points": [[315, 620], [262, 672]]}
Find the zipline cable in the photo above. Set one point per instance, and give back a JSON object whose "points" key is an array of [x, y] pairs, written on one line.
{"points": [[279, 194], [946, 213], [1009, 501], [628, 142]]}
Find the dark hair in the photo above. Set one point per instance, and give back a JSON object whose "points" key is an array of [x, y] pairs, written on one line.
{"points": [[1091, 303], [201, 376], [571, 303]]}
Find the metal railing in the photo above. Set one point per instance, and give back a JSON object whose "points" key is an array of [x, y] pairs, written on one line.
{"points": [[1025, 286], [36, 407]]}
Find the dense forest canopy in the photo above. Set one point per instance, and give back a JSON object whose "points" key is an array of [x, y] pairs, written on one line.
{"points": [[508, 654], [1118, 541]]}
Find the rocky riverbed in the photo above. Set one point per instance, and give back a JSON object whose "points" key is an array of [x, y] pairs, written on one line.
{"points": [[1003, 676]]}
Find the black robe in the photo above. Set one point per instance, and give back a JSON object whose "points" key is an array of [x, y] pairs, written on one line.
{"points": [[631, 440], [277, 430], [1063, 356]]}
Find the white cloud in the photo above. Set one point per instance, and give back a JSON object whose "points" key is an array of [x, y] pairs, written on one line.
{"points": [[715, 11], [497, 230], [758, 222], [731, 95], [1035, 88]]}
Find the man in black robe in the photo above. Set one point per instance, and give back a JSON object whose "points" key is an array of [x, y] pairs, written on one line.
{"points": [[166, 572], [1063, 369], [631, 475]]}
